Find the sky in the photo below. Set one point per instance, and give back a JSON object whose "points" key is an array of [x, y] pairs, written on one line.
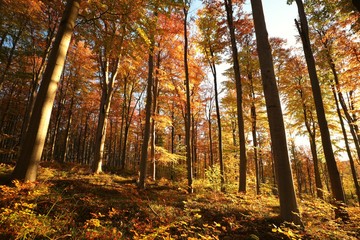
{"points": [[278, 14], [279, 18]]}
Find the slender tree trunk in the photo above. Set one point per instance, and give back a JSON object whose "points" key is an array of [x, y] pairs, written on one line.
{"points": [[340, 98], [335, 181], [67, 130], [193, 146], [11, 55], [30, 155], [297, 166], [354, 129], [254, 131], [148, 110], [311, 129], [188, 105], [106, 97], [128, 120], [218, 117], [289, 210], [211, 142], [347, 145], [236, 67], [318, 182], [308, 169], [154, 112]]}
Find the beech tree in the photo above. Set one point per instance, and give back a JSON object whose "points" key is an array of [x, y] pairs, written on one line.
{"points": [[189, 163], [239, 95], [289, 210], [336, 184], [212, 43], [32, 148]]}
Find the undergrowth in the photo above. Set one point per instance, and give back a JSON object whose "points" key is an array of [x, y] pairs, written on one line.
{"points": [[67, 202]]}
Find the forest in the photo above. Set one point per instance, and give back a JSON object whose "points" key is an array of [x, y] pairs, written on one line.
{"points": [[178, 119]]}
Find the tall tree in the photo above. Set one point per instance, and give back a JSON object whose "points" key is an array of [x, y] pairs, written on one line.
{"points": [[149, 98], [335, 181], [32, 148], [237, 75], [289, 210], [212, 44], [186, 6]]}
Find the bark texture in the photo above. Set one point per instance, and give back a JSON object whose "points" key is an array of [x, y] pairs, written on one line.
{"points": [[288, 204], [33, 145]]}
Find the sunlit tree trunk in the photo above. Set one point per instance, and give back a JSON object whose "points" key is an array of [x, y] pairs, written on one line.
{"points": [[240, 118], [335, 181], [30, 155], [288, 204], [154, 112], [107, 87]]}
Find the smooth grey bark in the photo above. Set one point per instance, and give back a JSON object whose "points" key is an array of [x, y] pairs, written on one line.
{"points": [[31, 150], [289, 210]]}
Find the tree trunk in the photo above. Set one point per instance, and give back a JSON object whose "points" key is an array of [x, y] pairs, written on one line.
{"points": [[188, 105], [218, 117], [288, 204], [210, 141], [347, 145], [236, 67], [30, 155], [311, 129], [67, 130], [154, 112], [107, 87], [335, 181], [148, 110], [254, 131], [9, 59]]}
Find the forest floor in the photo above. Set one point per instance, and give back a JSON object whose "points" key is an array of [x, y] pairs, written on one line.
{"points": [[69, 203]]}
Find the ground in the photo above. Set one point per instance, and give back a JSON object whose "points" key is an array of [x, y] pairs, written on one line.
{"points": [[67, 202]]}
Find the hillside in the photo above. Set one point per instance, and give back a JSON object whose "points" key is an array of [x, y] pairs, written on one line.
{"points": [[68, 203]]}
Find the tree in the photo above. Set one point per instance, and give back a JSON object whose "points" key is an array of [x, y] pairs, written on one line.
{"points": [[335, 181], [31, 150], [212, 43], [149, 96], [186, 6], [237, 75], [288, 204]]}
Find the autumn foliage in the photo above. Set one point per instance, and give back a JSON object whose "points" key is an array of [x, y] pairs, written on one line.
{"points": [[129, 94]]}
